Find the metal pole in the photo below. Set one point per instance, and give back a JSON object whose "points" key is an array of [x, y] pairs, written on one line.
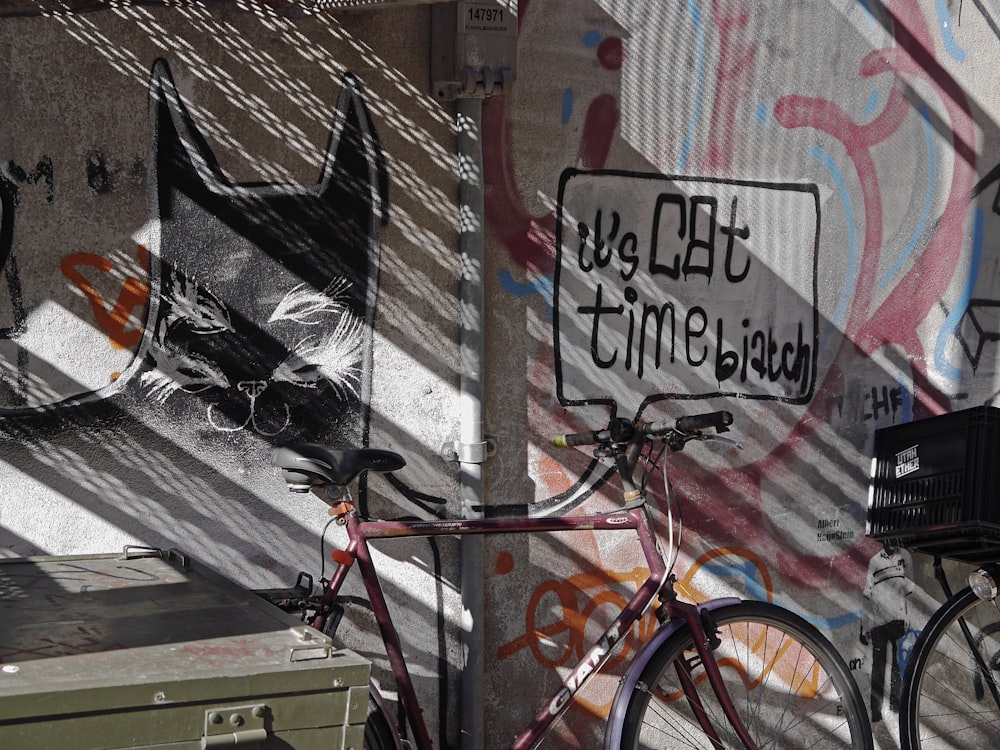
{"points": [[472, 247]]}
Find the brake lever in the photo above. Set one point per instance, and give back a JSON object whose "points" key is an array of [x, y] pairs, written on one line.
{"points": [[735, 444]]}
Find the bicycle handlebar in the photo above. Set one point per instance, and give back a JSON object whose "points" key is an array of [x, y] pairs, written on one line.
{"points": [[720, 420], [622, 430]]}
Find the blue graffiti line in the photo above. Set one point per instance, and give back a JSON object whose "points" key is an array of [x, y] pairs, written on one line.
{"points": [[567, 105], [746, 570], [954, 319], [755, 590], [868, 10], [699, 87], [871, 104], [852, 242], [925, 212], [542, 285], [591, 39], [957, 53], [907, 400], [763, 113]]}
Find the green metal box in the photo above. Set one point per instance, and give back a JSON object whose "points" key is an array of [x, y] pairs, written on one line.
{"points": [[148, 649]]}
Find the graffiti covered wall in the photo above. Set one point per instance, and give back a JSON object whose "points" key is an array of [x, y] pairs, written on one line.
{"points": [[226, 228], [779, 209]]}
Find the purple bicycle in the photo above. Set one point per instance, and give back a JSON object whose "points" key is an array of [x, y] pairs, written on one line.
{"points": [[725, 673]]}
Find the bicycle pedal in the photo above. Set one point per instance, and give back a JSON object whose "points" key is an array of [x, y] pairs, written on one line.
{"points": [[286, 599], [293, 599]]}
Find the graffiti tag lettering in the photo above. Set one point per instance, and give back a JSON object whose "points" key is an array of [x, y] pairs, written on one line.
{"points": [[664, 288]]}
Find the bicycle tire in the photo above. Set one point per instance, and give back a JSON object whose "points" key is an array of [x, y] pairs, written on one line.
{"points": [[790, 687], [949, 697], [378, 734]]}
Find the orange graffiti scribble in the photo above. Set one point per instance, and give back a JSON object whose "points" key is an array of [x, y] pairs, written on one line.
{"points": [[688, 590], [578, 607], [505, 563], [134, 294], [572, 591]]}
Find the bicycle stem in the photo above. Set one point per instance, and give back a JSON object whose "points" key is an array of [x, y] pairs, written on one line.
{"points": [[626, 460]]}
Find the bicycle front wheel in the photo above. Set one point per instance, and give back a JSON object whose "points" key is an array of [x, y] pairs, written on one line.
{"points": [[951, 696], [790, 688]]}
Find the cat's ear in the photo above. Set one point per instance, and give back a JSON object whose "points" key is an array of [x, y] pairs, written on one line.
{"points": [[174, 135], [354, 155]]}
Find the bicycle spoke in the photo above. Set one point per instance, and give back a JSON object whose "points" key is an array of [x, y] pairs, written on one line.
{"points": [[776, 674], [949, 698], [684, 731]]}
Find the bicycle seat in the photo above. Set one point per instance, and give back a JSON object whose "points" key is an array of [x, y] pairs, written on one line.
{"points": [[307, 465]]}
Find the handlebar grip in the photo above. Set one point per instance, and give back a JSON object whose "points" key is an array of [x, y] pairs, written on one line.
{"points": [[720, 420], [580, 438], [618, 431]]}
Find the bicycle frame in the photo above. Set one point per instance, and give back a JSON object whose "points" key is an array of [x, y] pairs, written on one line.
{"points": [[633, 517]]}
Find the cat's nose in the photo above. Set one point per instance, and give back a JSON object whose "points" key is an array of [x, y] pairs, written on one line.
{"points": [[252, 388]]}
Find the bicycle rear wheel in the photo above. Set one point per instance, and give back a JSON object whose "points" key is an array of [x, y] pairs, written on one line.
{"points": [[951, 696], [789, 686]]}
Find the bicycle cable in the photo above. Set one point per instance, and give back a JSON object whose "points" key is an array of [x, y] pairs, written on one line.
{"points": [[654, 457], [673, 550]]}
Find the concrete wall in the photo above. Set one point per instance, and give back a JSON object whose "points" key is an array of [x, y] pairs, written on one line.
{"points": [[805, 191]]}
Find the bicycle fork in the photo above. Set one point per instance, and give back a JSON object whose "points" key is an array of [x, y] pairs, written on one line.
{"points": [[705, 636]]}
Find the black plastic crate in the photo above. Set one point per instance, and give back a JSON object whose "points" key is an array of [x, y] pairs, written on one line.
{"points": [[935, 485]]}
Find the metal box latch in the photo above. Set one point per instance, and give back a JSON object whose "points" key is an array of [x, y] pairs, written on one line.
{"points": [[234, 725]]}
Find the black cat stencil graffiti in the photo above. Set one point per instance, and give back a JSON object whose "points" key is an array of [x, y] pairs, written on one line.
{"points": [[262, 295]]}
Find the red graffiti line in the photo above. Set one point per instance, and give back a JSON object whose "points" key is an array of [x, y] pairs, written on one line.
{"points": [[920, 289], [734, 76], [598, 126]]}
